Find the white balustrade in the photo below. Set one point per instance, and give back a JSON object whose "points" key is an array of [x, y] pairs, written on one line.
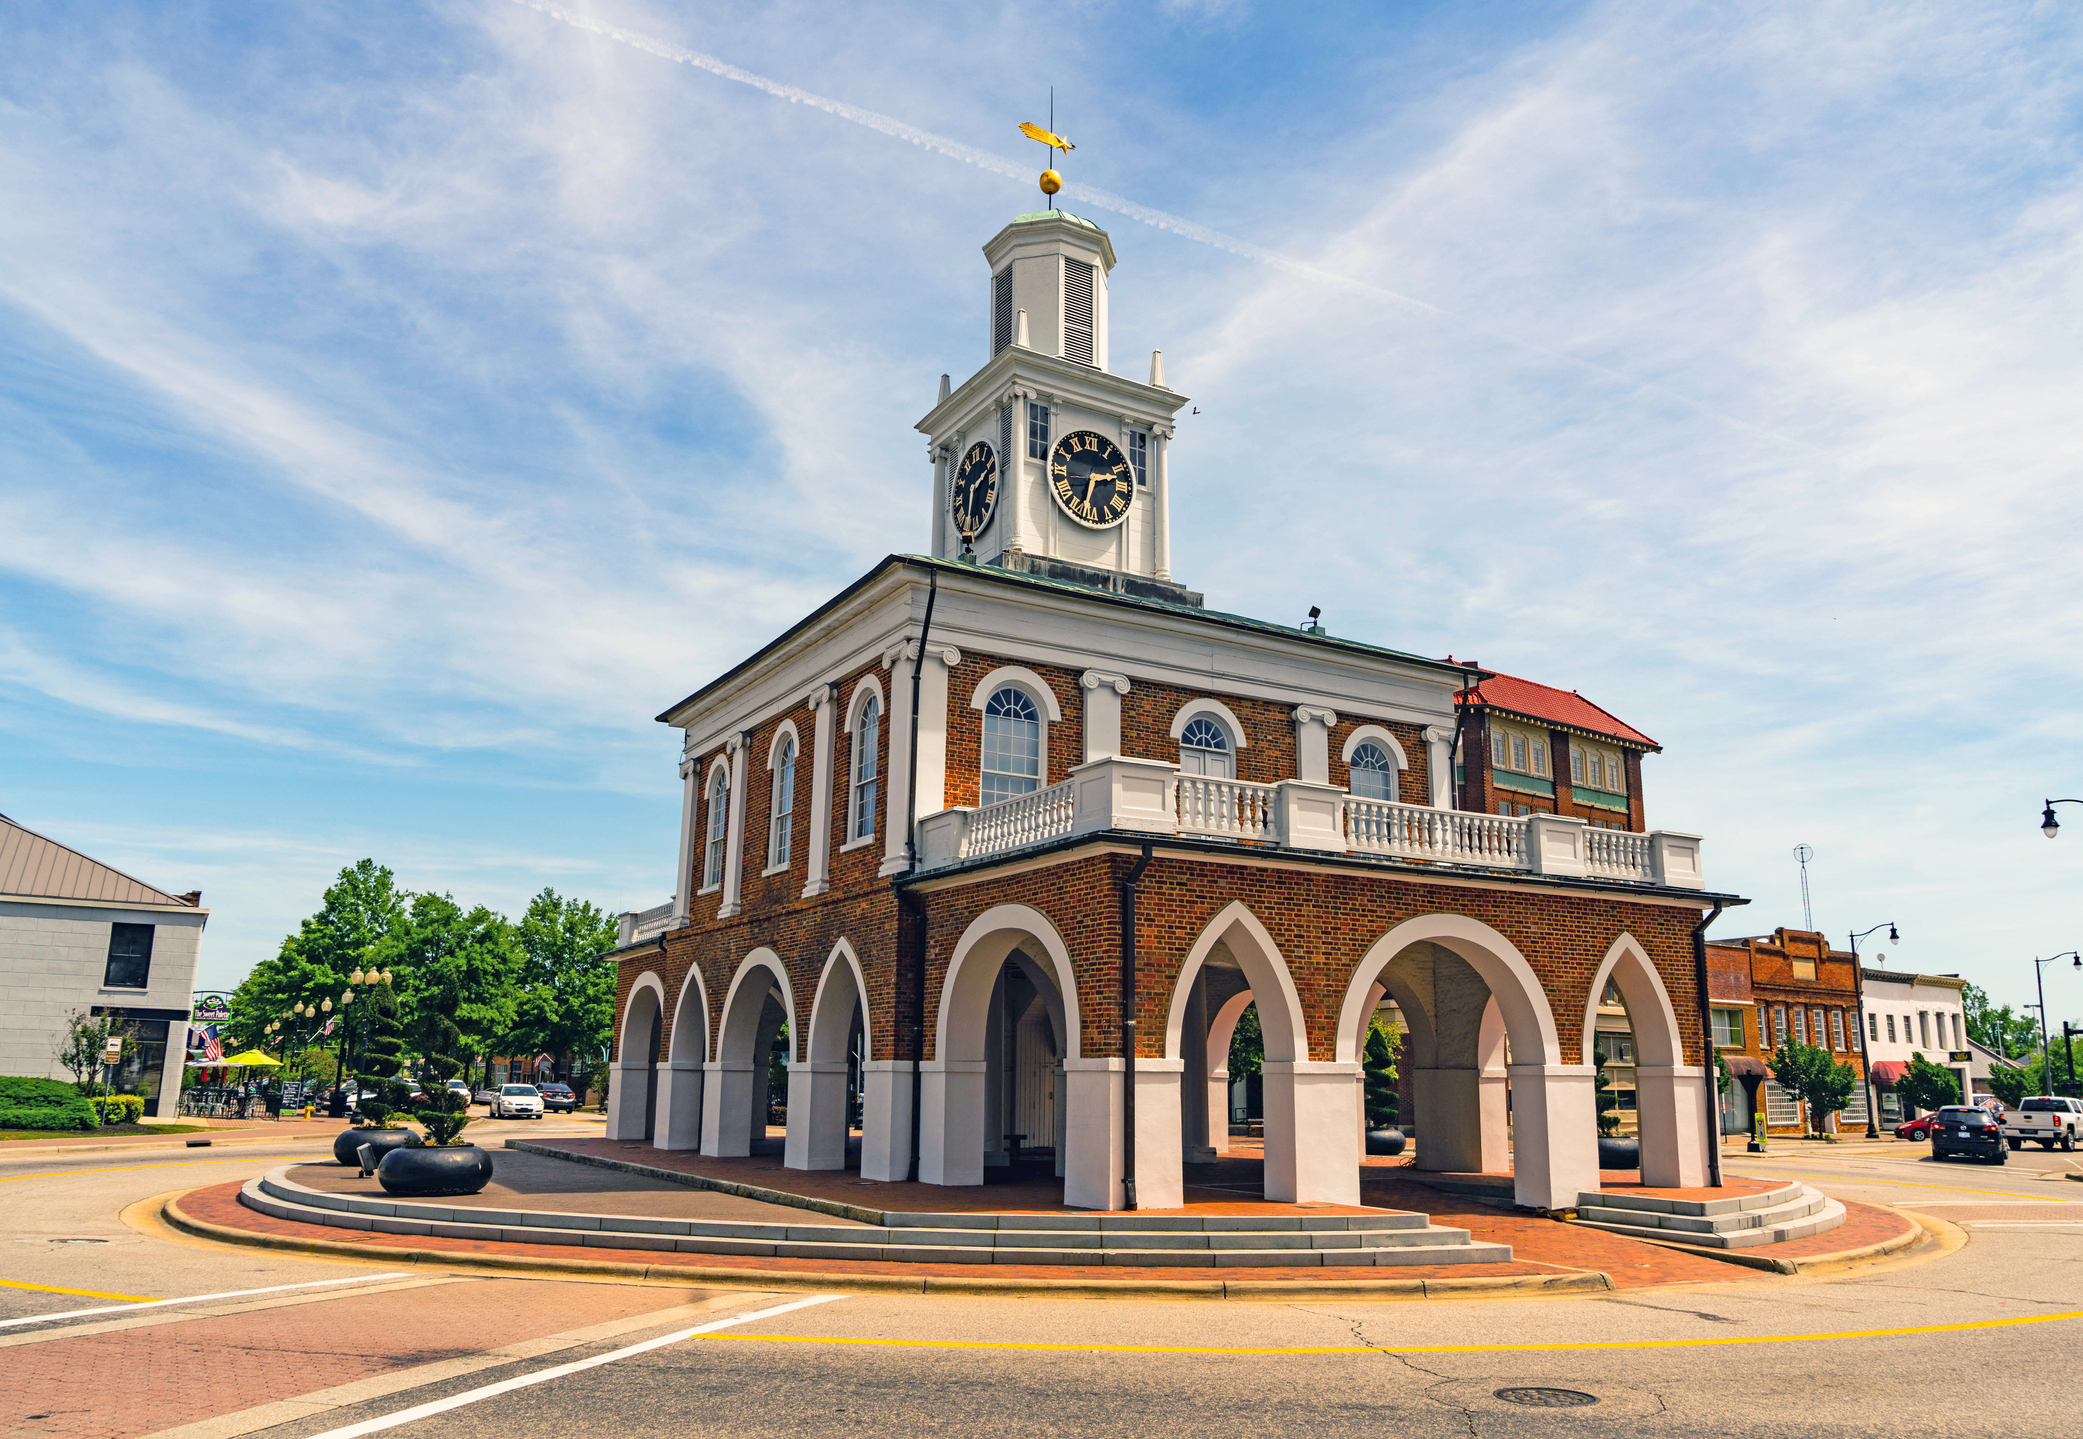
{"points": [[1021, 821], [1411, 831], [1230, 808], [1618, 854]]}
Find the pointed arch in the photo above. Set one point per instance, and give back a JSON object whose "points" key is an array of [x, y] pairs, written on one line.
{"points": [[982, 951], [690, 1031], [1284, 1030], [1521, 1000], [739, 1020], [829, 1027], [1650, 1012], [646, 1003]]}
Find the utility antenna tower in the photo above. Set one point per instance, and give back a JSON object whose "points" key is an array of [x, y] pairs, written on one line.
{"points": [[1804, 853]]}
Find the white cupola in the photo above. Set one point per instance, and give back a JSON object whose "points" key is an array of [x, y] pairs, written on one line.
{"points": [[1052, 265]]}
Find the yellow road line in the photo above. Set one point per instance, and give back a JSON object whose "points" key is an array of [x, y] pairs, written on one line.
{"points": [[1404, 1348], [1918, 1184], [121, 1168], [82, 1293]]}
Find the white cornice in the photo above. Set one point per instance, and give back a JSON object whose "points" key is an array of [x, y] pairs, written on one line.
{"points": [[1067, 382]]}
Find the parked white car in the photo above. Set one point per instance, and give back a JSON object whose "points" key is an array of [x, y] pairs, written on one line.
{"points": [[2049, 1118], [517, 1101]]}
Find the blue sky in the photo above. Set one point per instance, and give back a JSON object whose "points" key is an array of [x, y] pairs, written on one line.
{"points": [[400, 404]]}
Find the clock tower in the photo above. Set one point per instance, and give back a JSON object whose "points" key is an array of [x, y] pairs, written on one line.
{"points": [[1044, 462]]}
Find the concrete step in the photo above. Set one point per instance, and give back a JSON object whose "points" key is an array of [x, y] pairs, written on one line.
{"points": [[1697, 1208], [1807, 1213], [275, 1195]]}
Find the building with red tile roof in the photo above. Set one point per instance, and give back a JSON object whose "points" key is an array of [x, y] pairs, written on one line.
{"points": [[1530, 748]]}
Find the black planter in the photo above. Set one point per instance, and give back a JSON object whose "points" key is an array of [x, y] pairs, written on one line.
{"points": [[383, 1141], [1385, 1141], [1620, 1154], [447, 1169]]}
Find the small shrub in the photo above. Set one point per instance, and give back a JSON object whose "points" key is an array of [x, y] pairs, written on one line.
{"points": [[119, 1108]]}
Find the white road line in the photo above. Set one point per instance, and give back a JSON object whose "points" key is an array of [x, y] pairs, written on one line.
{"points": [[194, 1299], [2023, 1224], [507, 1386]]}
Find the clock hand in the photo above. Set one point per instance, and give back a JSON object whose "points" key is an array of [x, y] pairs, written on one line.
{"points": [[1090, 480]]}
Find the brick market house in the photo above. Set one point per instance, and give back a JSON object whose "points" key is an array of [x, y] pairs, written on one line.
{"points": [[1006, 837]]}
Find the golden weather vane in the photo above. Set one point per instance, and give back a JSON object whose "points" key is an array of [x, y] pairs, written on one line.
{"points": [[1051, 182]]}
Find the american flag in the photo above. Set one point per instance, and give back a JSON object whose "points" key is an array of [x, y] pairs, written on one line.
{"points": [[213, 1047], [329, 1024]]}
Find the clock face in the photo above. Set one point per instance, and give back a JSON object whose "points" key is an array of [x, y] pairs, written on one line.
{"points": [[1090, 479], [974, 496]]}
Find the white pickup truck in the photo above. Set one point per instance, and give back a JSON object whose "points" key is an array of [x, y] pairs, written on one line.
{"points": [[2048, 1118]]}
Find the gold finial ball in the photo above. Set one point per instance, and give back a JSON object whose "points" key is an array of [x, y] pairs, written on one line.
{"points": [[1051, 182]]}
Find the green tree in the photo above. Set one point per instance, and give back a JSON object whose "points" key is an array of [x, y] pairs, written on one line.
{"points": [[2010, 1034], [361, 911], [1925, 1085], [82, 1043], [1247, 1044], [1817, 1078], [566, 1000], [456, 966], [2011, 1085]]}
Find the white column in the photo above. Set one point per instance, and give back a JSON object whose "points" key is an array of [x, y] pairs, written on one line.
{"points": [[1672, 1109], [628, 1088], [933, 713], [825, 699], [1161, 500], [1218, 1112], [943, 508], [896, 825], [734, 834], [1160, 1180], [1194, 1092], [679, 1123], [1439, 766], [1313, 743], [886, 1119], [951, 1136], [816, 1137], [727, 1108], [1312, 1134], [683, 878], [1103, 694], [1012, 473], [1554, 1134], [1092, 1137]]}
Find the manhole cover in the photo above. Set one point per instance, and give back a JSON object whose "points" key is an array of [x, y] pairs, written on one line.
{"points": [[1547, 1398]]}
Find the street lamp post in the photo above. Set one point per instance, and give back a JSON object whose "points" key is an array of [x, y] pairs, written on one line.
{"points": [[2039, 979], [1859, 993]]}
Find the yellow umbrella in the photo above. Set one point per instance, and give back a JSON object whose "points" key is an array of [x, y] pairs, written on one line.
{"points": [[253, 1059]]}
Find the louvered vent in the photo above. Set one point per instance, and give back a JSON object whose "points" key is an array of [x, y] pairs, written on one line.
{"points": [[1005, 440], [1077, 312], [1001, 309]]}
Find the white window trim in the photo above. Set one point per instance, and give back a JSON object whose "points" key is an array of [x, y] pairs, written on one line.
{"points": [[1028, 682], [1221, 714], [1375, 734], [721, 762], [869, 688], [785, 730]]}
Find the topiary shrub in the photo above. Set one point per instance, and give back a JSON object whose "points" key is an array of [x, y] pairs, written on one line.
{"points": [[44, 1104], [447, 1109], [383, 1093]]}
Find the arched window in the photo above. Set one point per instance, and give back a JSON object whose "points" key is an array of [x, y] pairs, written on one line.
{"points": [[1373, 773], [781, 821], [1205, 749], [719, 817], [1012, 746], [860, 822]]}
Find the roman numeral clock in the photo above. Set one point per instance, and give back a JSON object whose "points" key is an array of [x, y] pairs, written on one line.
{"points": [[1091, 480]]}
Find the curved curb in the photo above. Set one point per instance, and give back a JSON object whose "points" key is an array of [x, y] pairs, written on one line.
{"points": [[1582, 1281], [1814, 1264]]}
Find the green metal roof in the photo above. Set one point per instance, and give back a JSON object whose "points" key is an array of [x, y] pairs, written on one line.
{"points": [[1056, 215]]}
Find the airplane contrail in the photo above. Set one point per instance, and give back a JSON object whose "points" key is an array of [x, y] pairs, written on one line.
{"points": [[1120, 204]]}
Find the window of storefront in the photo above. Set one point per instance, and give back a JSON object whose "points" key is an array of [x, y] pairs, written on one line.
{"points": [[1781, 1109], [1728, 1028], [129, 957]]}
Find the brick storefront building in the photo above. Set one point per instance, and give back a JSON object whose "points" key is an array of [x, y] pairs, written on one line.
{"points": [[1006, 837], [1762, 991]]}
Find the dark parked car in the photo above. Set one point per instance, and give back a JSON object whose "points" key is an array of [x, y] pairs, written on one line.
{"points": [[559, 1098], [1967, 1130]]}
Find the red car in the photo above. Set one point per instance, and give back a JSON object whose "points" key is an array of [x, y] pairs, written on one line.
{"points": [[1918, 1128]]}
